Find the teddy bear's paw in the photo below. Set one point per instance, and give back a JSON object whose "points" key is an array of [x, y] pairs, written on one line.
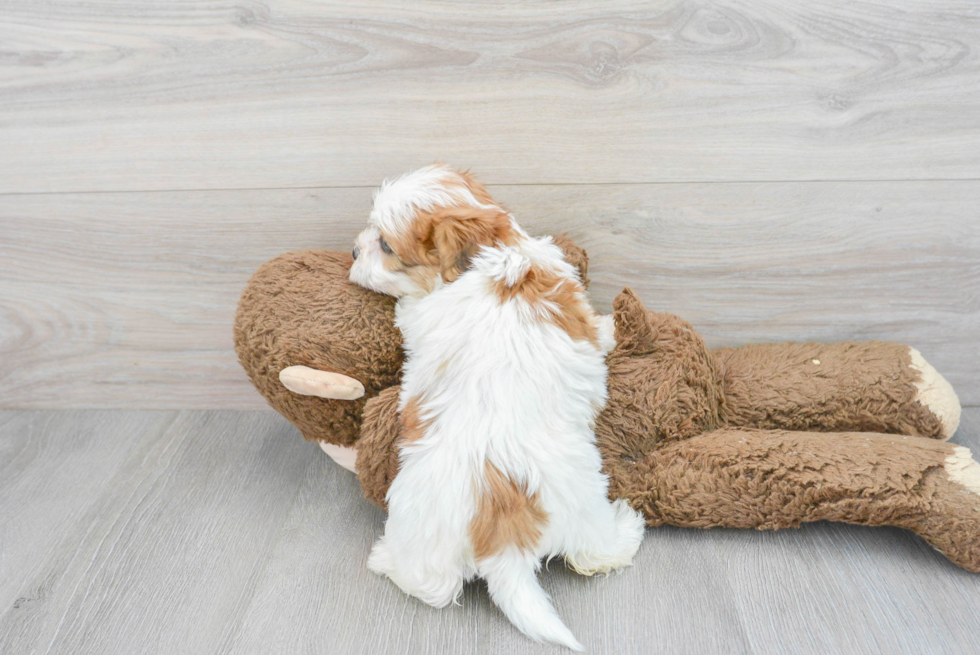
{"points": [[936, 394], [962, 469], [345, 456], [618, 552]]}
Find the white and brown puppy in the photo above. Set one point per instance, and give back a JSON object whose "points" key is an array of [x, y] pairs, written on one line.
{"points": [[504, 375]]}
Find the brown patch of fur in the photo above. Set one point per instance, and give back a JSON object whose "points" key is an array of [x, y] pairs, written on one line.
{"points": [[412, 248], [541, 287], [458, 232], [442, 241], [476, 188], [422, 274], [411, 425], [505, 516]]}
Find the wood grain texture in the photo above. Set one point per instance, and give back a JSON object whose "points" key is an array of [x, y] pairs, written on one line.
{"points": [[224, 532], [116, 96], [53, 467], [127, 300], [162, 553]]}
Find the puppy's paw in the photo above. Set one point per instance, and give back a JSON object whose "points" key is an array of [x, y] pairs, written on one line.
{"points": [[433, 587], [631, 526], [380, 560], [619, 550], [606, 328]]}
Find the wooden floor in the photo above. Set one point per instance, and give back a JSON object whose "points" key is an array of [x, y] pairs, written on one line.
{"points": [[224, 532]]}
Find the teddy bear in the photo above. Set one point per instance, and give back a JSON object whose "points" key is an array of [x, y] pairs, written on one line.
{"points": [[765, 436]]}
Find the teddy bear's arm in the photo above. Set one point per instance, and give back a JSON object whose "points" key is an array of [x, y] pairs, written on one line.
{"points": [[871, 386], [377, 449], [766, 479]]}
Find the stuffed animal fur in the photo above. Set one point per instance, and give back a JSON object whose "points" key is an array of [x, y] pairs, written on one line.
{"points": [[763, 436]]}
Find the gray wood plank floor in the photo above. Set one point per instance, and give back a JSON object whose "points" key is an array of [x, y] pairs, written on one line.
{"points": [[223, 532]]}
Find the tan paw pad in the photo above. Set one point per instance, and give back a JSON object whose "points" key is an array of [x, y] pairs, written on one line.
{"points": [[936, 394]]}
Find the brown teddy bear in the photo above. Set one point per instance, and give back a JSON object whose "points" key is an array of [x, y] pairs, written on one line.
{"points": [[763, 436]]}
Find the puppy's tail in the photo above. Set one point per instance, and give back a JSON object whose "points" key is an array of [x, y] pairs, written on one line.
{"points": [[513, 584]]}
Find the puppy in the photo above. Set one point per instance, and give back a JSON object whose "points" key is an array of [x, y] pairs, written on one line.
{"points": [[504, 375]]}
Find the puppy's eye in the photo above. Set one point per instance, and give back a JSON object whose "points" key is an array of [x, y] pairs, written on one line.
{"points": [[384, 245]]}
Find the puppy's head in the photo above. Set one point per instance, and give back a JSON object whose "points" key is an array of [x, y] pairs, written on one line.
{"points": [[424, 228]]}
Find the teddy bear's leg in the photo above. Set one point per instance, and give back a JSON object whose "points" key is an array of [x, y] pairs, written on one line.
{"points": [[873, 386], [770, 479], [377, 452]]}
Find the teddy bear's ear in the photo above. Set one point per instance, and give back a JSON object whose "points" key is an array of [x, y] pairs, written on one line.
{"points": [[633, 330], [574, 255]]}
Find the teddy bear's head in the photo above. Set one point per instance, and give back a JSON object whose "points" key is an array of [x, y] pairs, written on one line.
{"points": [[300, 309]]}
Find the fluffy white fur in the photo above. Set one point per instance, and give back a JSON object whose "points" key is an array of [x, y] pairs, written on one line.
{"points": [[501, 384]]}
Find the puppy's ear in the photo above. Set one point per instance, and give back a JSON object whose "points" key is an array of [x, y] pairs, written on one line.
{"points": [[458, 233], [476, 188]]}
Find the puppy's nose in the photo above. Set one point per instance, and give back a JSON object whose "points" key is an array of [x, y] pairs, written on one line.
{"points": [[356, 251]]}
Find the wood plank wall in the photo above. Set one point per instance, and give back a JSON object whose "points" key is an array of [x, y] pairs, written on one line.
{"points": [[769, 171]]}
